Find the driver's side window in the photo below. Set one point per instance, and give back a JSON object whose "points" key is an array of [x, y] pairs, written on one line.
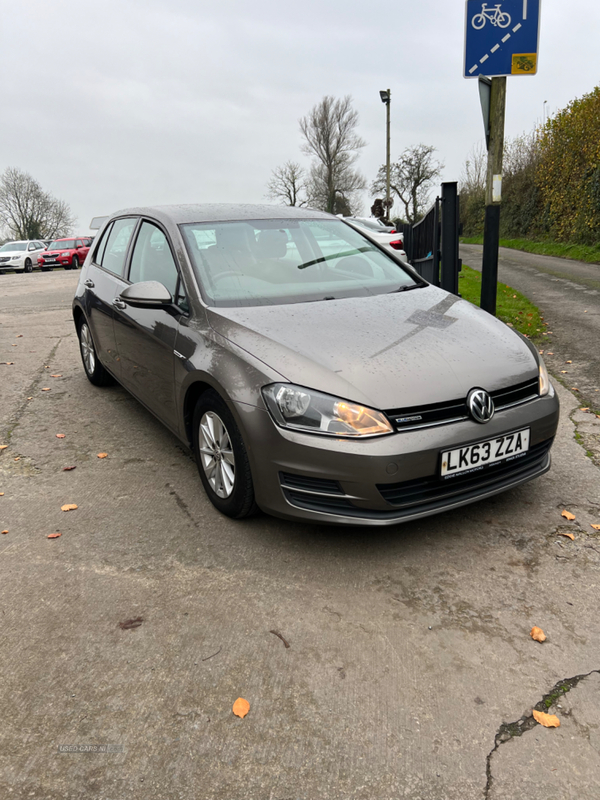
{"points": [[152, 259]]}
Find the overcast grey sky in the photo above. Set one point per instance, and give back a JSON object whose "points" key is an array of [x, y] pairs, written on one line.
{"points": [[113, 103]]}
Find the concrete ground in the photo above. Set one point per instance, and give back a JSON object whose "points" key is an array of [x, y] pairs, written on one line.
{"points": [[410, 671]]}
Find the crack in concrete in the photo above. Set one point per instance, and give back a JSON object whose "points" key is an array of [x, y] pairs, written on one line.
{"points": [[511, 730], [15, 417]]}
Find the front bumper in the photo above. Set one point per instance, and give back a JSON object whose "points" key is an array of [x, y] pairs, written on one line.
{"points": [[390, 479]]}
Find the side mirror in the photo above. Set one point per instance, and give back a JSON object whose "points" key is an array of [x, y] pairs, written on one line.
{"points": [[146, 294]]}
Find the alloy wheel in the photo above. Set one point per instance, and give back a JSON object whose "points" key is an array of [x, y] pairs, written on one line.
{"points": [[216, 453], [87, 349]]}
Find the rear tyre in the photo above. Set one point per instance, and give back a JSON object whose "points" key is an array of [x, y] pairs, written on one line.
{"points": [[28, 266], [94, 370], [222, 458]]}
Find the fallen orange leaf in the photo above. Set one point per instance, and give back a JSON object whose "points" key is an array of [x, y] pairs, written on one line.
{"points": [[60, 435], [3, 446], [550, 354], [567, 515], [537, 634], [595, 527], [102, 455], [241, 707], [574, 389], [46, 389], [53, 535], [568, 362], [6, 531], [68, 507], [56, 376], [547, 720], [568, 535], [68, 469], [1, 494], [584, 409], [8, 363], [19, 336]]}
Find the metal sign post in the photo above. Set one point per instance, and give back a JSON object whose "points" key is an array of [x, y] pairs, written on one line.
{"points": [[501, 39]]}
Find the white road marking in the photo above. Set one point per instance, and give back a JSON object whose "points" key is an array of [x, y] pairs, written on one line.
{"points": [[524, 9], [506, 38], [485, 58], [516, 28], [473, 68], [495, 47]]}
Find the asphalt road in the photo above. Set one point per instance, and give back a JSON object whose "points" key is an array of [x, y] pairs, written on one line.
{"points": [[568, 293], [409, 648]]}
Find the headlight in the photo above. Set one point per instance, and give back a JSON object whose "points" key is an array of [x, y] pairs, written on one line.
{"points": [[16, 258], [544, 379], [307, 410]]}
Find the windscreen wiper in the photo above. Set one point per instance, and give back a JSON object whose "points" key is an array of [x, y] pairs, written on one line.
{"points": [[335, 255]]}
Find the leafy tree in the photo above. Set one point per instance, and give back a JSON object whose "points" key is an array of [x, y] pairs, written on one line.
{"points": [[568, 173], [27, 212], [329, 132], [288, 184], [411, 179]]}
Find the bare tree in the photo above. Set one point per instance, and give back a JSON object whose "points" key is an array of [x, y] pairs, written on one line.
{"points": [[288, 184], [411, 179], [474, 174], [27, 212], [330, 137]]}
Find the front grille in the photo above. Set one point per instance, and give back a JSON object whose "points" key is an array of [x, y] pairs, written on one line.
{"points": [[4, 259], [427, 492], [415, 417]]}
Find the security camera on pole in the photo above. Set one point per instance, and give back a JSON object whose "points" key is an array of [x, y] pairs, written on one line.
{"points": [[501, 39]]}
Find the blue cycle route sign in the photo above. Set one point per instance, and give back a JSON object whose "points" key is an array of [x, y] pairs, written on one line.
{"points": [[501, 38]]}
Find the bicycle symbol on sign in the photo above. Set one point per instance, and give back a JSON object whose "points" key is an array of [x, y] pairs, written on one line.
{"points": [[495, 16]]}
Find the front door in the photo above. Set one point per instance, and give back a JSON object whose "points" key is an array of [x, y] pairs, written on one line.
{"points": [[145, 337]]}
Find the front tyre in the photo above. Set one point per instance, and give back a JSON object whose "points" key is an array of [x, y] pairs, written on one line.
{"points": [[94, 370], [222, 458], [28, 266], [75, 263]]}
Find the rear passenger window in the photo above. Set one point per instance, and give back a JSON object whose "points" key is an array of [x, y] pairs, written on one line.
{"points": [[112, 255]]}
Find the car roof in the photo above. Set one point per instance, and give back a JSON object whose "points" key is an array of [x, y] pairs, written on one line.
{"points": [[221, 212]]}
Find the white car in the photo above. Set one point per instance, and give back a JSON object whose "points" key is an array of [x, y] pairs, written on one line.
{"points": [[20, 256], [391, 241]]}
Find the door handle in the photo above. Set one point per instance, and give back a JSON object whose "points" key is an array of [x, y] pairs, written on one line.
{"points": [[89, 283], [121, 304]]}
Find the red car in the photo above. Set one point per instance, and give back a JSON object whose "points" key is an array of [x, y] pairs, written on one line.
{"points": [[67, 253]]}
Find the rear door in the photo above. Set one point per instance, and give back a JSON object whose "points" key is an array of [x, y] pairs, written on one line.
{"points": [[104, 281]]}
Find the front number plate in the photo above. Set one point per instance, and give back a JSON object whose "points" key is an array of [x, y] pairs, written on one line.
{"points": [[475, 456]]}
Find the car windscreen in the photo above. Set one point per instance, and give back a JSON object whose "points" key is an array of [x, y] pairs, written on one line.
{"points": [[270, 262], [13, 247], [65, 244]]}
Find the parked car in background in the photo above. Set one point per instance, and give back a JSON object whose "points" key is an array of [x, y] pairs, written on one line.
{"points": [[391, 241], [372, 224], [67, 253], [20, 256], [313, 373]]}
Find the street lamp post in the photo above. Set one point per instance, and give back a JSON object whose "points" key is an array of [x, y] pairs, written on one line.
{"points": [[386, 97]]}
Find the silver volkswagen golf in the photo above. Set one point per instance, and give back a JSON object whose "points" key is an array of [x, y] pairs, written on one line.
{"points": [[313, 373]]}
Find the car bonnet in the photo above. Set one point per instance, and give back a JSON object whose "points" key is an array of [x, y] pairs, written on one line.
{"points": [[388, 351]]}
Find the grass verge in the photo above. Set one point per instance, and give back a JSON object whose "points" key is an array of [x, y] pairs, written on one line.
{"points": [[576, 252], [512, 307]]}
